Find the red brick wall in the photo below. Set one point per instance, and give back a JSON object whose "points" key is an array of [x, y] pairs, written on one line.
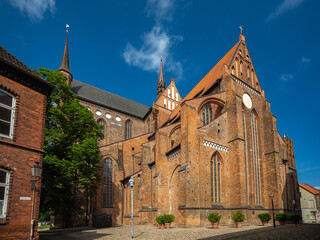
{"points": [[20, 153]]}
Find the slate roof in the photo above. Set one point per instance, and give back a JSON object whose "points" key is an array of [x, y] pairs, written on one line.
{"points": [[7, 58], [309, 188], [109, 100]]}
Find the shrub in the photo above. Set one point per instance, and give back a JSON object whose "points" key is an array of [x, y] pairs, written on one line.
{"points": [[289, 216], [168, 218], [214, 217], [264, 217], [44, 216], [160, 219], [296, 217], [238, 216], [281, 217]]}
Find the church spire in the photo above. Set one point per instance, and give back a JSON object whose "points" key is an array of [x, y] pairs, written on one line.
{"points": [[65, 68], [161, 83]]}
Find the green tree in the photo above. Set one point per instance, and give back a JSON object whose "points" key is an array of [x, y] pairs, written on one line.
{"points": [[72, 158]]}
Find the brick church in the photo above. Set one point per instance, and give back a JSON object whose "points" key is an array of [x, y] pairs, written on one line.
{"points": [[217, 149]]}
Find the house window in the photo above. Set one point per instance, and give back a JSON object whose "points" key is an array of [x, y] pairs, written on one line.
{"points": [[7, 105], [100, 122], [4, 188], [215, 179], [107, 183], [128, 129], [207, 115]]}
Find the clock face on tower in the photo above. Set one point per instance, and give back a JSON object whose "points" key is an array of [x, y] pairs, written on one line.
{"points": [[247, 100]]}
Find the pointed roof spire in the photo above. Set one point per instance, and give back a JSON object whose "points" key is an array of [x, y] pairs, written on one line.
{"points": [[65, 60], [161, 82]]}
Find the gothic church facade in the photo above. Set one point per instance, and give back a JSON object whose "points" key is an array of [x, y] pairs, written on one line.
{"points": [[215, 150]]}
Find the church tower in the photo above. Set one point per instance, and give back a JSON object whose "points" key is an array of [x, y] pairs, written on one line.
{"points": [[65, 68], [161, 83]]}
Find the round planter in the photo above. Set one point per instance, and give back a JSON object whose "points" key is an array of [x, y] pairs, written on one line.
{"points": [[264, 223], [168, 225], [161, 225], [239, 224], [215, 225]]}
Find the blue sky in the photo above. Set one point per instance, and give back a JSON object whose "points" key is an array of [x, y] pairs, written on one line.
{"points": [[116, 46]]}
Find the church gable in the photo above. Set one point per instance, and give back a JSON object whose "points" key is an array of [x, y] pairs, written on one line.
{"points": [[241, 65], [170, 97]]}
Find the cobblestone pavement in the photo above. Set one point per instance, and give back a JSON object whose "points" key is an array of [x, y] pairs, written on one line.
{"points": [[302, 231]]}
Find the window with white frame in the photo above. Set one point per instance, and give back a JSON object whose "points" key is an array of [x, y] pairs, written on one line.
{"points": [[4, 189], [7, 104]]}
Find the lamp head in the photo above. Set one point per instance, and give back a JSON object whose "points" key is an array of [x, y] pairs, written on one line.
{"points": [[36, 170], [131, 182], [271, 196]]}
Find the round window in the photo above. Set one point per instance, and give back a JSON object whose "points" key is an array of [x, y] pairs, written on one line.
{"points": [[108, 115], [98, 113], [247, 100], [118, 119]]}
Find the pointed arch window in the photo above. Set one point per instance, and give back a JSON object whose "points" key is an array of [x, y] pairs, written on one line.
{"points": [[215, 179], [128, 129], [101, 122], [207, 114], [7, 109], [107, 184], [169, 95], [255, 159]]}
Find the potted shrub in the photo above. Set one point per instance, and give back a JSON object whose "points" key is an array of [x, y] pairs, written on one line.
{"points": [[265, 218], [160, 221], [238, 218], [281, 218], [168, 219], [214, 218]]}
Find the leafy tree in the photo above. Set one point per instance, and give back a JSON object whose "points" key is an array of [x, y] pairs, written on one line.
{"points": [[72, 157]]}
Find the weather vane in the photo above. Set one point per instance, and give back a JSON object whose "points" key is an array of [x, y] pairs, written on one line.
{"points": [[241, 29], [67, 27]]}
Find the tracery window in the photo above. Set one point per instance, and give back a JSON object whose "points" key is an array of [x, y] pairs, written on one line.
{"points": [[101, 122], [107, 184], [128, 129], [7, 107], [255, 159], [207, 114], [215, 179], [4, 189]]}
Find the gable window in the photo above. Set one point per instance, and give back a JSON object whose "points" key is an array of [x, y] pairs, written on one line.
{"points": [[169, 95], [128, 129], [7, 105], [4, 188], [207, 115], [107, 184], [177, 98], [165, 103]]}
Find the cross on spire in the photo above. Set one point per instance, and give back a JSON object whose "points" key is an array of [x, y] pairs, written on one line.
{"points": [[241, 29]]}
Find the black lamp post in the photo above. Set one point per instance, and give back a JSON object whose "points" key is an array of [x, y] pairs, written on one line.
{"points": [[36, 172], [274, 221], [132, 160]]}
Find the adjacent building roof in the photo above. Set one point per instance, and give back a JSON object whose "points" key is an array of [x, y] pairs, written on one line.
{"points": [[106, 99], [10, 60], [309, 188]]}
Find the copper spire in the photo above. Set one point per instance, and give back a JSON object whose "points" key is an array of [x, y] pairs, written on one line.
{"points": [[65, 60], [161, 83]]}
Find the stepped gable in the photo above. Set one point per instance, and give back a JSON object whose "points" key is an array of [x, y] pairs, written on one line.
{"points": [[106, 99], [209, 79]]}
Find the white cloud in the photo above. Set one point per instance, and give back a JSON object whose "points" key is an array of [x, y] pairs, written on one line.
{"points": [[156, 43], [286, 76], [318, 187], [305, 60], [285, 6], [161, 9], [34, 8]]}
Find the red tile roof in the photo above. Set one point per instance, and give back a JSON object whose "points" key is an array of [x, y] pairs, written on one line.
{"points": [[209, 79], [309, 188]]}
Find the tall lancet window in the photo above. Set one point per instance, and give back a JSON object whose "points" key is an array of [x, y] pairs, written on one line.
{"points": [[128, 129], [101, 122], [255, 159], [215, 179], [107, 184], [207, 115]]}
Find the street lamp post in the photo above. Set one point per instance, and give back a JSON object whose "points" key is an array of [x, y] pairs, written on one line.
{"points": [[35, 172], [274, 221], [131, 183]]}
